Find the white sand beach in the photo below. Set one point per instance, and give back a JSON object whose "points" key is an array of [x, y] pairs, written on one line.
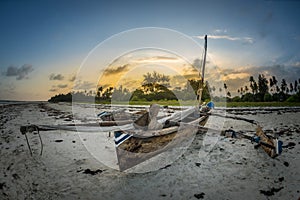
{"points": [[233, 169]]}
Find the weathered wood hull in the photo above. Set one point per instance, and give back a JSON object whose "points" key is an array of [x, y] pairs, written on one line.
{"points": [[138, 149], [269, 148]]}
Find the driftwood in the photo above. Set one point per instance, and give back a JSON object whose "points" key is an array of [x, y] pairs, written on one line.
{"points": [[236, 118], [268, 144], [103, 123], [30, 129]]}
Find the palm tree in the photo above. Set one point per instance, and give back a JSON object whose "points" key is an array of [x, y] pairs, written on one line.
{"points": [[274, 81], [228, 94], [271, 84], [246, 88], [148, 78], [277, 89], [99, 91], [262, 84], [251, 79], [291, 87], [225, 86], [283, 85], [255, 87]]}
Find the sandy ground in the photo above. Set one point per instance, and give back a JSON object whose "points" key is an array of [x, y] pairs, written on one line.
{"points": [[233, 169]]}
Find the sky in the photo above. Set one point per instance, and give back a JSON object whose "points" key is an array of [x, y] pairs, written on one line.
{"points": [[44, 43]]}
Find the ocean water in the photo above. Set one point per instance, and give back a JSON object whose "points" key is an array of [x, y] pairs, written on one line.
{"points": [[9, 102]]}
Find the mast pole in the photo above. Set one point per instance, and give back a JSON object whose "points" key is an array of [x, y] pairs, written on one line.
{"points": [[201, 85], [204, 59]]}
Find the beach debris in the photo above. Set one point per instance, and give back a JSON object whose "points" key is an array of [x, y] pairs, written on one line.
{"points": [[93, 172], [281, 179], [290, 145], [270, 192], [231, 132], [58, 140], [15, 176], [267, 143], [32, 129], [8, 168], [235, 118], [286, 164], [165, 167], [272, 146], [2, 185], [200, 195]]}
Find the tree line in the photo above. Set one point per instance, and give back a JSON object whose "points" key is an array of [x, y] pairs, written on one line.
{"points": [[155, 86], [267, 90]]}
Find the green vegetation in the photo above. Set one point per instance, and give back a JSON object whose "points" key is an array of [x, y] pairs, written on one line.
{"points": [[258, 104], [155, 89], [265, 90]]}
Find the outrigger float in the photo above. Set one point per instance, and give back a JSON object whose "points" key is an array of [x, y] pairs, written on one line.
{"points": [[149, 135]]}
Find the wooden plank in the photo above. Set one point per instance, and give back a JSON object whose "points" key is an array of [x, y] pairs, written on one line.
{"points": [[268, 146]]}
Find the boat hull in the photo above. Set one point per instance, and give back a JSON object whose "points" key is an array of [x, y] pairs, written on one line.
{"points": [[137, 149]]}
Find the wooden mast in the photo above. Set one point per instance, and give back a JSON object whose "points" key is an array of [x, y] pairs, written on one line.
{"points": [[201, 84]]}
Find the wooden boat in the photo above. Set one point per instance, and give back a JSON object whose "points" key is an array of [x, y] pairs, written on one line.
{"points": [[271, 146], [141, 139], [136, 146], [142, 143]]}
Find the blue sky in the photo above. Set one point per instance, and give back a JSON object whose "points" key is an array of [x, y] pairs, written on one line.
{"points": [[40, 38]]}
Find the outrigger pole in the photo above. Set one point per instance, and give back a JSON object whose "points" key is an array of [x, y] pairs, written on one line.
{"points": [[201, 84]]}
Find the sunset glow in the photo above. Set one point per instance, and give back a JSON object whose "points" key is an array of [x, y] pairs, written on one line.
{"points": [[45, 45]]}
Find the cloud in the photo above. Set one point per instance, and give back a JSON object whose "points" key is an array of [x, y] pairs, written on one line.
{"points": [[72, 78], [130, 84], [190, 71], [62, 85], [296, 64], [155, 59], [58, 77], [55, 88], [239, 77], [20, 73], [287, 72], [84, 85], [198, 63], [236, 75], [219, 31], [112, 70], [244, 40]]}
